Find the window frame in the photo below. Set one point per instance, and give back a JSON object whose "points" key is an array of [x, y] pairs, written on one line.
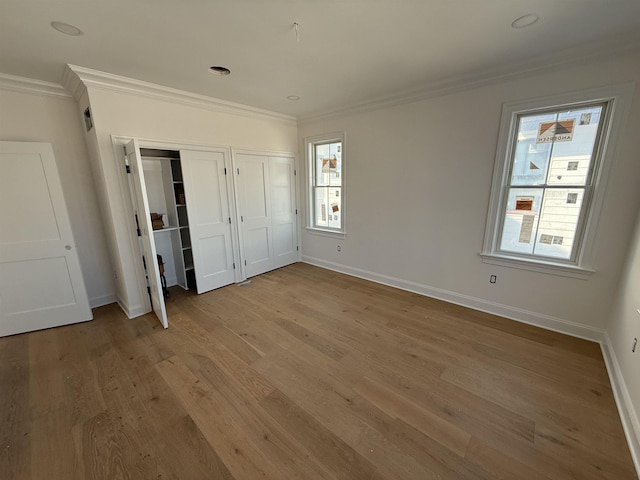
{"points": [[310, 148], [580, 265]]}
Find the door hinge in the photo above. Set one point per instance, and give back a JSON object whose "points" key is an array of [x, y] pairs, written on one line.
{"points": [[238, 170], [225, 170], [241, 218], [296, 211], [295, 172], [245, 263], [229, 219], [297, 248], [127, 168], [234, 265]]}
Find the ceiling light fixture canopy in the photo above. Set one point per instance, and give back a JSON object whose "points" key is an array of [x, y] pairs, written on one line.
{"points": [[67, 28]]}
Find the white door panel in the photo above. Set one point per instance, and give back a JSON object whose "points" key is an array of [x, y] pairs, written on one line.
{"points": [[267, 207], [283, 209], [255, 213], [209, 218], [134, 160], [41, 283]]}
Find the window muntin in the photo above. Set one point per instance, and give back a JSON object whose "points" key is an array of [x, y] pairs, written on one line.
{"points": [[555, 154], [326, 184]]}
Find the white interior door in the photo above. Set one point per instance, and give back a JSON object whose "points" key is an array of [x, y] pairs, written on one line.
{"points": [[41, 283], [282, 185], [209, 218], [146, 231]]}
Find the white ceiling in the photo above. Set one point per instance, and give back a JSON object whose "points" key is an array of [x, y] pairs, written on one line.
{"points": [[349, 51]]}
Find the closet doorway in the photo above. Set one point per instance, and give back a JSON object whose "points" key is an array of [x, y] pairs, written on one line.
{"points": [[210, 220]]}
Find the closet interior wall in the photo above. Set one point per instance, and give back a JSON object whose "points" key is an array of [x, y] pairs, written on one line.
{"points": [[165, 193]]}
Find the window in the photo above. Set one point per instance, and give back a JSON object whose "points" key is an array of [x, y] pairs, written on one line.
{"points": [[548, 182], [326, 192]]}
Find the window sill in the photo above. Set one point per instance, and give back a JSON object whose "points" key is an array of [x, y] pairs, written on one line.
{"points": [[326, 233], [547, 267]]}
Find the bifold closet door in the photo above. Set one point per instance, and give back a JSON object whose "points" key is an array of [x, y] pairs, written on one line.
{"points": [[266, 205], [141, 205], [282, 184], [205, 184], [254, 207]]}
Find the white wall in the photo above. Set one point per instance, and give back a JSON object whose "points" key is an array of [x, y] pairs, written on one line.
{"points": [[418, 180], [132, 115], [35, 117], [623, 328]]}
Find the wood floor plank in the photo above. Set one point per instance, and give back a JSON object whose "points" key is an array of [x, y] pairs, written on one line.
{"points": [[15, 426], [469, 412], [305, 373], [341, 458], [189, 451], [397, 406], [245, 443], [498, 464]]}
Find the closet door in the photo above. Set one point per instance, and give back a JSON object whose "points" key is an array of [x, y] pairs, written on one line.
{"points": [[254, 206], [134, 161], [209, 218], [267, 208], [282, 184]]}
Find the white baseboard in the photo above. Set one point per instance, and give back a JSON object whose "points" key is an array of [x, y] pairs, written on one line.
{"points": [[102, 300], [132, 311], [626, 409], [518, 314]]}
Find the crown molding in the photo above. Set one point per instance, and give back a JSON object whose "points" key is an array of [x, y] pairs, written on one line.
{"points": [[76, 79], [14, 83], [71, 81], [608, 49]]}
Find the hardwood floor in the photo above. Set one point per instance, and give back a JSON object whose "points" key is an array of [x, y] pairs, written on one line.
{"points": [[307, 374]]}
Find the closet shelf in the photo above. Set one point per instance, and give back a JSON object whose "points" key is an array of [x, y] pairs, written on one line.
{"points": [[166, 229]]}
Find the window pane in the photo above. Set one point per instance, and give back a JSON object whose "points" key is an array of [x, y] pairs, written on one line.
{"points": [[335, 207], [328, 207], [321, 209], [531, 159], [321, 170], [521, 220], [555, 148], [570, 160], [328, 167], [558, 222]]}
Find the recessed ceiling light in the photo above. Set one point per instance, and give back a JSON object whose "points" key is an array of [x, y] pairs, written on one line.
{"points": [[67, 29], [293, 98], [219, 70], [525, 20]]}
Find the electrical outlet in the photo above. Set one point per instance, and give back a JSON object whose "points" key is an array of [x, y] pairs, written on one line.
{"points": [[339, 248], [493, 279]]}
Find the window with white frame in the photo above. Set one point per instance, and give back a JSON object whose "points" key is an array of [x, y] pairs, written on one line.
{"points": [[549, 181], [326, 183]]}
